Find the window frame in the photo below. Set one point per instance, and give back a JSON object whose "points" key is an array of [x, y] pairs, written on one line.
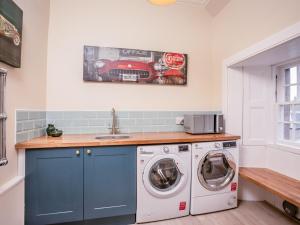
{"points": [[280, 93]]}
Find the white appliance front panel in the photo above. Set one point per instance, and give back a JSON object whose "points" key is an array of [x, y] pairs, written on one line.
{"points": [[154, 208], [213, 203]]}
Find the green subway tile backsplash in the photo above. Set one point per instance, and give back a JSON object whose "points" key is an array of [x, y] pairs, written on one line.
{"points": [[33, 123], [30, 124], [74, 122]]}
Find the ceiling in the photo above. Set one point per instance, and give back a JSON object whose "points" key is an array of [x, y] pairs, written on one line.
{"points": [[214, 7], [199, 2]]}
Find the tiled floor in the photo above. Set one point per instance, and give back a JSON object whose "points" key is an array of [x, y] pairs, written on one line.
{"points": [[248, 213]]}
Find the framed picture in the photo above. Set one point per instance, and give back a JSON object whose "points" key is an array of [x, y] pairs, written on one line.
{"points": [[11, 20], [122, 65]]}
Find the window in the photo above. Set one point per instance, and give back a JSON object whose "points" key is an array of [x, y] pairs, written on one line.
{"points": [[3, 117], [288, 102]]}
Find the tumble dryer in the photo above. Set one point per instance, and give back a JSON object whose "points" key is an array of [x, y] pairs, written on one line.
{"points": [[214, 176]]}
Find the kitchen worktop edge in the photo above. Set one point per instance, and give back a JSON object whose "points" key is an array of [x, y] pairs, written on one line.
{"points": [[89, 140]]}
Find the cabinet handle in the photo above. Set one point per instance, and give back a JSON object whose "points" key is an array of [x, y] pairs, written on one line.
{"points": [[89, 152], [77, 152]]}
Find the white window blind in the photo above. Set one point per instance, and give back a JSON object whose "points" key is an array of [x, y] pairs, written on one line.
{"points": [[3, 117]]}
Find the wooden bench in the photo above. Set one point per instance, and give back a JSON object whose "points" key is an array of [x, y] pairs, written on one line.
{"points": [[285, 187]]}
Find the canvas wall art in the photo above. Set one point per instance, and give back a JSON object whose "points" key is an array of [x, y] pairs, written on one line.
{"points": [[11, 20], [122, 65]]}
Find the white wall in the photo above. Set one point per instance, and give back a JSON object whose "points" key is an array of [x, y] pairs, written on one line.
{"points": [[25, 90], [137, 24], [284, 161], [26, 86], [12, 206]]}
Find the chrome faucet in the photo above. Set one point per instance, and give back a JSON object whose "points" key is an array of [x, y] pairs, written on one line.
{"points": [[114, 128]]}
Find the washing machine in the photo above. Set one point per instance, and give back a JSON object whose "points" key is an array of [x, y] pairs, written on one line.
{"points": [[214, 176], [163, 182]]}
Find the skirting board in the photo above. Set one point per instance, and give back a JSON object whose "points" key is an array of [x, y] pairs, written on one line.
{"points": [[11, 184]]}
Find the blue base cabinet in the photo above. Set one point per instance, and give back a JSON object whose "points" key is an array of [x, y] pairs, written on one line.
{"points": [[53, 186], [109, 182], [80, 185]]}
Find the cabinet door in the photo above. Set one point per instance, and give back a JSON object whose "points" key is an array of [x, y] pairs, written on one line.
{"points": [[53, 186], [109, 181]]}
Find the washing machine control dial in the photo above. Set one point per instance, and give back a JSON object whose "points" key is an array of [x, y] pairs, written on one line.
{"points": [[218, 145], [166, 149]]}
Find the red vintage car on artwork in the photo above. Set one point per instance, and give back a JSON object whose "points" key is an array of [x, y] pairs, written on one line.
{"points": [[125, 70], [105, 64]]}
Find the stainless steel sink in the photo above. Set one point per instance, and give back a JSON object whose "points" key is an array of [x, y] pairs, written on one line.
{"points": [[113, 136]]}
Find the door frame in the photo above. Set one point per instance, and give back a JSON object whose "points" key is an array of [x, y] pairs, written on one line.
{"points": [[279, 38], [250, 156]]}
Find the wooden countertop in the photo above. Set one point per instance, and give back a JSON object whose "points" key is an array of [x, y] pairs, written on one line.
{"points": [[88, 140]]}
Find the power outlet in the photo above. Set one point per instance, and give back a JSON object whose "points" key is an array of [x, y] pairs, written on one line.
{"points": [[179, 120]]}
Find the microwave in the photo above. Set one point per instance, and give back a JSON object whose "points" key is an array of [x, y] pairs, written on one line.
{"points": [[204, 123]]}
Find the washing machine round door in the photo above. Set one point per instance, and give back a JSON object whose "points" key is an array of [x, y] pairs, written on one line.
{"points": [[216, 170], [165, 175]]}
